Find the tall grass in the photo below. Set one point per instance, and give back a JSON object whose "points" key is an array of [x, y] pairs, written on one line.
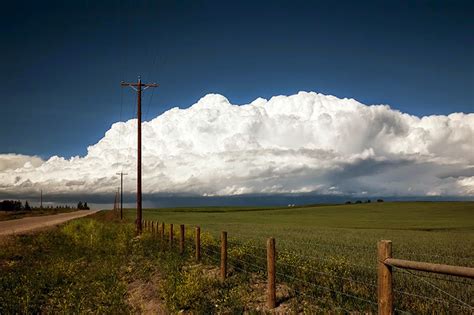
{"points": [[73, 269]]}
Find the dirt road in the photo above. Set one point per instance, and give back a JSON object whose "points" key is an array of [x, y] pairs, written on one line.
{"points": [[28, 224]]}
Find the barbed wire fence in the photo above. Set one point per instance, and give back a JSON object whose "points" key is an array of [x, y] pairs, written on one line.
{"points": [[335, 283]]}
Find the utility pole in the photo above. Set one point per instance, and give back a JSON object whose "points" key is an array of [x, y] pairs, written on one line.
{"points": [[121, 193], [139, 87], [115, 202], [41, 200]]}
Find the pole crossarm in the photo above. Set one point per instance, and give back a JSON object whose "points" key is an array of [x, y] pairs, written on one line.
{"points": [[429, 267], [139, 84]]}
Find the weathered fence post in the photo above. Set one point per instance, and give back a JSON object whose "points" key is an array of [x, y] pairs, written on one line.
{"points": [[181, 239], [171, 234], [153, 228], [198, 243], [271, 297], [162, 231], [223, 255], [384, 278]]}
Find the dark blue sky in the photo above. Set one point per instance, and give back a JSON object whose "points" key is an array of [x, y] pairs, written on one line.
{"points": [[61, 63]]}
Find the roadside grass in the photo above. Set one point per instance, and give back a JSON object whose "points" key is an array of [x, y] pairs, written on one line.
{"points": [[72, 269], [87, 266]]}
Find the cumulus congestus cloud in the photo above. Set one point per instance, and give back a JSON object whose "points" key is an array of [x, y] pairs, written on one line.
{"points": [[306, 142]]}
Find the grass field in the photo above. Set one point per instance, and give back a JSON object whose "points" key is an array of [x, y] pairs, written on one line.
{"points": [[341, 239], [443, 230]]}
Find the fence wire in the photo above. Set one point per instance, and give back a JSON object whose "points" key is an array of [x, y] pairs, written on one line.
{"points": [[212, 252], [437, 288]]}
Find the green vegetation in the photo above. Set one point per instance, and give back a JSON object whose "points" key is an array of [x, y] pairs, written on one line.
{"points": [[96, 265], [317, 243], [443, 229], [73, 269], [326, 261]]}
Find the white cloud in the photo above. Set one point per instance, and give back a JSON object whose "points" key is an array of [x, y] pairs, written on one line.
{"points": [[14, 161], [306, 142]]}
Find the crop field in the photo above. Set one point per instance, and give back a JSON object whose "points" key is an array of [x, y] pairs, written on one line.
{"points": [[328, 253]]}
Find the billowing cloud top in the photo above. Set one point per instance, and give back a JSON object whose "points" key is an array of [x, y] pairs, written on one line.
{"points": [[306, 142]]}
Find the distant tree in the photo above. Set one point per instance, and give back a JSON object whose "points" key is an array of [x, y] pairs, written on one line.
{"points": [[379, 200], [11, 205], [86, 207], [358, 201], [80, 205], [348, 202], [368, 200], [27, 206]]}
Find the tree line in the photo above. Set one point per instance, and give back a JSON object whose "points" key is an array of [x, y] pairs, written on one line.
{"points": [[17, 205]]}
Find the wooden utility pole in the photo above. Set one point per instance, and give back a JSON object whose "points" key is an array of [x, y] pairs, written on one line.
{"points": [[116, 201], [41, 200], [139, 87], [121, 193]]}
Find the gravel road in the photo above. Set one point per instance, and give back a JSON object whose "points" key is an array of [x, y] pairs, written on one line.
{"points": [[29, 224]]}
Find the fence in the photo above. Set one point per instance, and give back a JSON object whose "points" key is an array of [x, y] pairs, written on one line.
{"points": [[386, 264]]}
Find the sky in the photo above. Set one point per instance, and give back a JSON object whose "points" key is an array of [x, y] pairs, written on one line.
{"points": [[61, 65]]}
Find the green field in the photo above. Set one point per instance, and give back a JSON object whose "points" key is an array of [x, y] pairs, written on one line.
{"points": [[443, 231], [341, 239], [326, 261]]}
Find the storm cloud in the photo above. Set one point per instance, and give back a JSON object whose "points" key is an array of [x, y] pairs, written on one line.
{"points": [[303, 143]]}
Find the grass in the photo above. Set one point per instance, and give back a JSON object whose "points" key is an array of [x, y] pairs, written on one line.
{"points": [[317, 243], [73, 269], [431, 228], [326, 257], [89, 265]]}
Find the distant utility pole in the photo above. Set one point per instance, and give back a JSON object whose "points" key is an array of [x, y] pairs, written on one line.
{"points": [[116, 201], [41, 199], [121, 193], [138, 87]]}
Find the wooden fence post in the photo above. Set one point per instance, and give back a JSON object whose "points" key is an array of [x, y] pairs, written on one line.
{"points": [[271, 297], [171, 234], [223, 255], [162, 231], [153, 228], [198, 243], [181, 239], [384, 278]]}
